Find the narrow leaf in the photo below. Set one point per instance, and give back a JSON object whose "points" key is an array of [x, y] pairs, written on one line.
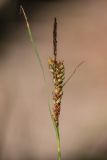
{"points": [[36, 52], [32, 41], [74, 71]]}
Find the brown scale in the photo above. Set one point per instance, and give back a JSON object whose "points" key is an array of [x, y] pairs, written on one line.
{"points": [[57, 70]]}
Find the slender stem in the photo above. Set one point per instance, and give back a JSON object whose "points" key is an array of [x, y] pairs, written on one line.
{"points": [[57, 134], [58, 143]]}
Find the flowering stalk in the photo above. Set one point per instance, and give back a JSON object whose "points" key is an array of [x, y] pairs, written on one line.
{"points": [[57, 69]]}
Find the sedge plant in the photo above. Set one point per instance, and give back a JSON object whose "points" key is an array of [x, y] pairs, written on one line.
{"points": [[57, 70]]}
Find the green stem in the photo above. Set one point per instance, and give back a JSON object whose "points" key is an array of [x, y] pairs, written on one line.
{"points": [[58, 143], [57, 134]]}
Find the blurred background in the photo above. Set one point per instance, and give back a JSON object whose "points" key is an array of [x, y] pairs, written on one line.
{"points": [[26, 131]]}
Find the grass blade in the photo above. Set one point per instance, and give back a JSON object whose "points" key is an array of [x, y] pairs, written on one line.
{"points": [[74, 71], [32, 41]]}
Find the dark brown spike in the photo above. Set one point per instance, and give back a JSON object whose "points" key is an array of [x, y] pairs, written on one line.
{"points": [[55, 38]]}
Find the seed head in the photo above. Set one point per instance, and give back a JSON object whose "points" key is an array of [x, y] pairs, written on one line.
{"points": [[58, 71]]}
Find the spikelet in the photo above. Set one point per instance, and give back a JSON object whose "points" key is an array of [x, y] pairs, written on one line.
{"points": [[58, 71]]}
